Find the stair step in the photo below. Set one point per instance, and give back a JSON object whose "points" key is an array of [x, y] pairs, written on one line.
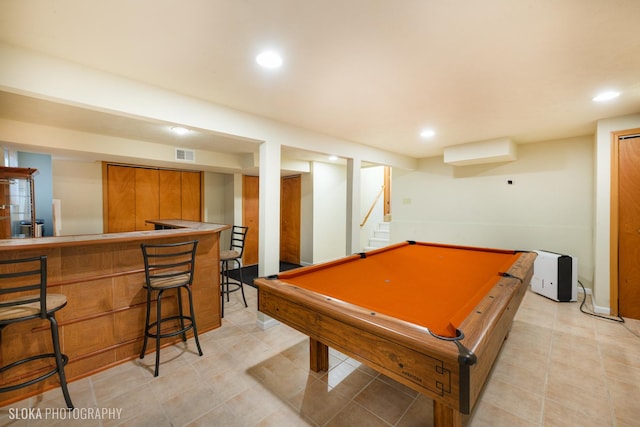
{"points": [[378, 243], [384, 226]]}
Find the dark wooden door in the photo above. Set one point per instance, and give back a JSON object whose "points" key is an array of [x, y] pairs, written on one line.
{"points": [[290, 192], [629, 227], [250, 217]]}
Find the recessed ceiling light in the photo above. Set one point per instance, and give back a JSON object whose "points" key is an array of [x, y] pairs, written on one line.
{"points": [[269, 59], [427, 133], [179, 130], [606, 96]]}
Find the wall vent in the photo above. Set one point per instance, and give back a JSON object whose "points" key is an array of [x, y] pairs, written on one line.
{"points": [[185, 155]]}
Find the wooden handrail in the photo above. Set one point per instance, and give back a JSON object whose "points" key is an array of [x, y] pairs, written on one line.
{"points": [[366, 217]]}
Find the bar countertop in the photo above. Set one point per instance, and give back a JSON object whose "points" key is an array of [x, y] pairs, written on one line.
{"points": [[174, 227]]}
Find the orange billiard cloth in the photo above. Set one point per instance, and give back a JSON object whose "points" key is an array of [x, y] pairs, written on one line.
{"points": [[434, 286]]}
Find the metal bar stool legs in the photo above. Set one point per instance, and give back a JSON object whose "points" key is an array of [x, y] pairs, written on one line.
{"points": [[226, 283], [61, 361], [169, 266], [17, 278], [234, 254]]}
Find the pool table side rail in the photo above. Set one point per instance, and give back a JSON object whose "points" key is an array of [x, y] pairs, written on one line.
{"points": [[486, 332], [401, 350]]}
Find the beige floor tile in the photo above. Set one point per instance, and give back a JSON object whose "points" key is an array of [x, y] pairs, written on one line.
{"points": [[284, 417], [625, 400], [518, 401], [346, 379], [176, 382], [318, 402], [489, 415], [280, 376], [384, 400], [255, 404], [558, 414], [419, 413], [220, 415], [189, 405], [354, 415], [558, 367]]}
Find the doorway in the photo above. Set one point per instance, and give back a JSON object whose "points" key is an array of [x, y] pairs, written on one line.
{"points": [[290, 193], [625, 224]]}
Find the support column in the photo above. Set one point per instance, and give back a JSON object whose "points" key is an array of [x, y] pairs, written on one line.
{"points": [[269, 222], [353, 206]]}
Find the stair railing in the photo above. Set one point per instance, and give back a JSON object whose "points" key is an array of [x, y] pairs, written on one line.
{"points": [[366, 218]]}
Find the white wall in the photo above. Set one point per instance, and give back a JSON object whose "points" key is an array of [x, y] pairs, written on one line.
{"points": [[329, 207], [549, 205], [78, 186], [306, 219]]}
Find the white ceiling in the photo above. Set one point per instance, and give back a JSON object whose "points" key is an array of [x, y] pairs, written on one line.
{"points": [[374, 72]]}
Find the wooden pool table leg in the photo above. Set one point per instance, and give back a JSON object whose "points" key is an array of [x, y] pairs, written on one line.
{"points": [[445, 416], [319, 356]]}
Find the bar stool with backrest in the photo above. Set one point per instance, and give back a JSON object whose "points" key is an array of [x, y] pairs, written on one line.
{"points": [[19, 278], [169, 266], [233, 256]]}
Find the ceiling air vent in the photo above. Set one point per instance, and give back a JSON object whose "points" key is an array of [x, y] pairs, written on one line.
{"points": [[185, 155]]}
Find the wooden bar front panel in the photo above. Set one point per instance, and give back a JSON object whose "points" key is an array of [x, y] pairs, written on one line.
{"points": [[102, 324]]}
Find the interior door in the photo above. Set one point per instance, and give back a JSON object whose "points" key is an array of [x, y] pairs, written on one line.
{"points": [[250, 218], [290, 192], [629, 226]]}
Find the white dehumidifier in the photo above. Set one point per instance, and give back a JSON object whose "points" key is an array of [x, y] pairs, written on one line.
{"points": [[555, 276]]}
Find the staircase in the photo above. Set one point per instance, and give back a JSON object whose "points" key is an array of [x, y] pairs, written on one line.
{"points": [[380, 236]]}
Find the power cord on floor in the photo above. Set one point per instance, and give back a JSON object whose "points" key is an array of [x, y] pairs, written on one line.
{"points": [[618, 319]]}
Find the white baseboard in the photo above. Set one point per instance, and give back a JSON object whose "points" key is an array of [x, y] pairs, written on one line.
{"points": [[265, 322], [598, 309]]}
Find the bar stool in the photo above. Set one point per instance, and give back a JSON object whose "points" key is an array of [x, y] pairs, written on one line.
{"points": [[233, 255], [169, 266], [18, 280]]}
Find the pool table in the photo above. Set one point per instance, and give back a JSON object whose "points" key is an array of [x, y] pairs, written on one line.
{"points": [[431, 316]]}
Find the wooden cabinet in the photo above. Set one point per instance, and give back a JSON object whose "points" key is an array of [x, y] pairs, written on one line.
{"points": [[17, 202], [134, 194]]}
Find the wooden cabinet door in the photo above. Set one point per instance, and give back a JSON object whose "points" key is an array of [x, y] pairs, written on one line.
{"points": [[134, 194], [170, 194], [147, 198], [120, 204], [191, 196]]}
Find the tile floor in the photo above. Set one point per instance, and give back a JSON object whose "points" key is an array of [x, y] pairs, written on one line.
{"points": [[559, 367]]}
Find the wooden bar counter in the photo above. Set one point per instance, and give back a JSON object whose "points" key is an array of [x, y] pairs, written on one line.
{"points": [[102, 276]]}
